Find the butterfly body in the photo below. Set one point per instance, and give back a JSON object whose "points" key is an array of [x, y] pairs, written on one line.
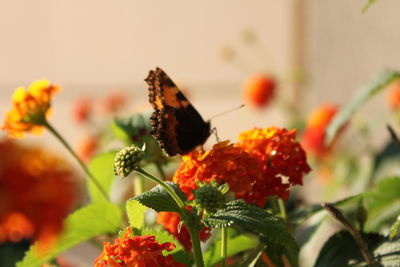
{"points": [[176, 124]]}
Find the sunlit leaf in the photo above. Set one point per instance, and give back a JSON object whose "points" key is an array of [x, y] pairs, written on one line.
{"points": [[383, 203], [135, 212], [362, 96], [395, 229], [84, 224], [101, 166], [368, 5]]}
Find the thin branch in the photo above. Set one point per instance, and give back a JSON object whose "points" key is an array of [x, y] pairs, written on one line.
{"points": [[339, 216], [393, 134]]}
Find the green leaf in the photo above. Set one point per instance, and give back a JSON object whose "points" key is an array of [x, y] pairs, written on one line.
{"points": [[159, 199], [84, 224], [235, 245], [11, 253], [362, 96], [387, 253], [391, 151], [135, 212], [136, 130], [342, 250], [298, 216], [304, 234], [383, 203], [101, 166], [119, 133], [368, 5], [133, 128], [394, 230], [271, 230]]}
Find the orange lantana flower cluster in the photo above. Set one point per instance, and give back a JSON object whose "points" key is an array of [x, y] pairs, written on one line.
{"points": [[170, 221], [135, 251], [282, 159], [224, 163], [313, 138], [263, 163], [87, 147], [30, 108], [37, 192]]}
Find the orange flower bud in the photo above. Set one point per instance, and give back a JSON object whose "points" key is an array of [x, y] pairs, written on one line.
{"points": [[259, 90], [393, 95], [82, 110], [313, 138]]}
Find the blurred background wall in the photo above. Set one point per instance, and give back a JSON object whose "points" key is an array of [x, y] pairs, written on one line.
{"points": [[91, 47], [346, 48]]}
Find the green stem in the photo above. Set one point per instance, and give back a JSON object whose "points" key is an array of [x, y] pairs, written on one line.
{"points": [[160, 170], [198, 256], [224, 245], [80, 162], [282, 208]]}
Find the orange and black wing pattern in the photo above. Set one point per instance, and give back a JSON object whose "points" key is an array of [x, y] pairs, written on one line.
{"points": [[176, 124]]}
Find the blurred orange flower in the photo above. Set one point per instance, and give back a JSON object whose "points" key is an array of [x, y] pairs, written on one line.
{"points": [[113, 102], [313, 138], [283, 161], [30, 108], [170, 221], [259, 90], [393, 95], [37, 192], [82, 110], [14, 227], [135, 251], [87, 147]]}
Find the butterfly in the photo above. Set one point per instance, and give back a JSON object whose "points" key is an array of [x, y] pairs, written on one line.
{"points": [[176, 124]]}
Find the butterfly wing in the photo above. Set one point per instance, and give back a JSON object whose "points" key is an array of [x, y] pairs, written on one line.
{"points": [[176, 124]]}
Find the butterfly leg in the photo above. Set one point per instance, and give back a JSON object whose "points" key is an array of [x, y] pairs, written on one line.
{"points": [[214, 131]]}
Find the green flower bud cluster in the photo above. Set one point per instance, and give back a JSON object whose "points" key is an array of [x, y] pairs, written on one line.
{"points": [[209, 197], [127, 160]]}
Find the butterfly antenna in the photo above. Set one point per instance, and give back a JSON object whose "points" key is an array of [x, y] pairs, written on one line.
{"points": [[227, 111]]}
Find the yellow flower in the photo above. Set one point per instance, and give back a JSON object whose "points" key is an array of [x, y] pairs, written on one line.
{"points": [[30, 108]]}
